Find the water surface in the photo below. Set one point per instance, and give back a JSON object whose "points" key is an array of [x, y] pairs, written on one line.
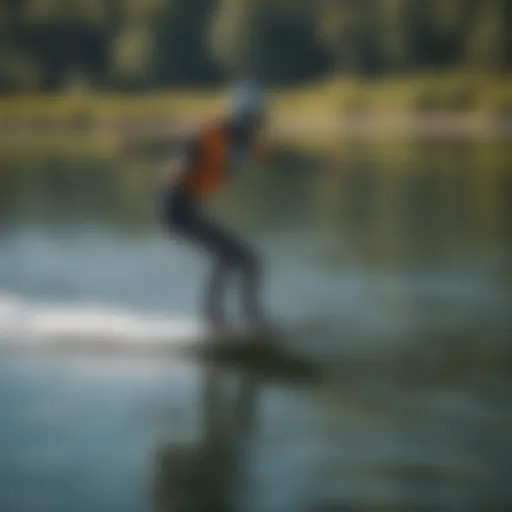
{"points": [[403, 257]]}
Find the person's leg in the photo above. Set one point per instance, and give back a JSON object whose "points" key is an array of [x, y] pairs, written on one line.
{"points": [[251, 285], [215, 295], [186, 221], [229, 255], [234, 256]]}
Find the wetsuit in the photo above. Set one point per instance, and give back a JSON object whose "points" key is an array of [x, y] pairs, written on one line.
{"points": [[182, 213]]}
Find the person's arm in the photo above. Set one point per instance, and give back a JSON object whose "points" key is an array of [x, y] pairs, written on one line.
{"points": [[176, 169]]}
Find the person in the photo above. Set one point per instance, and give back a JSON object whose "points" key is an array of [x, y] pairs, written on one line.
{"points": [[206, 162]]}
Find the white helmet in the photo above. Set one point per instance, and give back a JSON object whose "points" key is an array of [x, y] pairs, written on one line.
{"points": [[246, 99]]}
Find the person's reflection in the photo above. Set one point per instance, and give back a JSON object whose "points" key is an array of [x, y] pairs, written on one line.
{"points": [[208, 476]]}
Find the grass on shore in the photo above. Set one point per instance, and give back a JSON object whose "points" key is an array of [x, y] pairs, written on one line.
{"points": [[418, 94], [94, 119]]}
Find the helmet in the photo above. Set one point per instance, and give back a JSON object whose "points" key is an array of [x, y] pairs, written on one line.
{"points": [[247, 99]]}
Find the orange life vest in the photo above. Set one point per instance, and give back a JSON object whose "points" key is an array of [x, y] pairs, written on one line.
{"points": [[211, 169]]}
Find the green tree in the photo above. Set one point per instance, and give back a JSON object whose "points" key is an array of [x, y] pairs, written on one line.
{"points": [[274, 41], [232, 34], [131, 56], [488, 46], [181, 55], [152, 43], [349, 31], [393, 35]]}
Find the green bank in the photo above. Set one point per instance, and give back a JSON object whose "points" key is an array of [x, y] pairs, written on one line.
{"points": [[315, 115]]}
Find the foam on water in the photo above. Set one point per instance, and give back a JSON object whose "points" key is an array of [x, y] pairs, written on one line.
{"points": [[30, 323], [352, 312]]}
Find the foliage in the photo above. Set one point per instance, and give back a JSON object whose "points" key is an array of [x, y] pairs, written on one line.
{"points": [[151, 44]]}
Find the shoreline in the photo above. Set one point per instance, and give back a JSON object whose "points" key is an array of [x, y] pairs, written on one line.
{"points": [[316, 116], [74, 135]]}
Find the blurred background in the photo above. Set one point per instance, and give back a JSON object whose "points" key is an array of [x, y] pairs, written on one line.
{"points": [[384, 214]]}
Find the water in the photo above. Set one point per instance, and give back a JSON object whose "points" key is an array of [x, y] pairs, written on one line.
{"points": [[403, 258]]}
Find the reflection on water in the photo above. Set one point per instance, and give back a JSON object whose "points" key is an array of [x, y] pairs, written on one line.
{"points": [[401, 255], [209, 474]]}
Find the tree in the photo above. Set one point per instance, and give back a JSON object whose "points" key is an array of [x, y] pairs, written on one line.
{"points": [[274, 41], [232, 34], [394, 35], [181, 46], [131, 56], [349, 31], [488, 47]]}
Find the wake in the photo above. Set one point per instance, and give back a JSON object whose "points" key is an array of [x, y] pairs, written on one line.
{"points": [[26, 324]]}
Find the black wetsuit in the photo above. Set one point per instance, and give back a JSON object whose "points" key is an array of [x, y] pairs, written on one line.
{"points": [[182, 213]]}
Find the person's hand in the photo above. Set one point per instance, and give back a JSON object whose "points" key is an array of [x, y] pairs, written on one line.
{"points": [[172, 170]]}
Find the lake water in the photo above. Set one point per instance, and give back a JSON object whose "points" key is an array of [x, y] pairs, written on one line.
{"points": [[402, 257]]}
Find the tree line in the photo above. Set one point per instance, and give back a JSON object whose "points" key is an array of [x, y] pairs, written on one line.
{"points": [[150, 44]]}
